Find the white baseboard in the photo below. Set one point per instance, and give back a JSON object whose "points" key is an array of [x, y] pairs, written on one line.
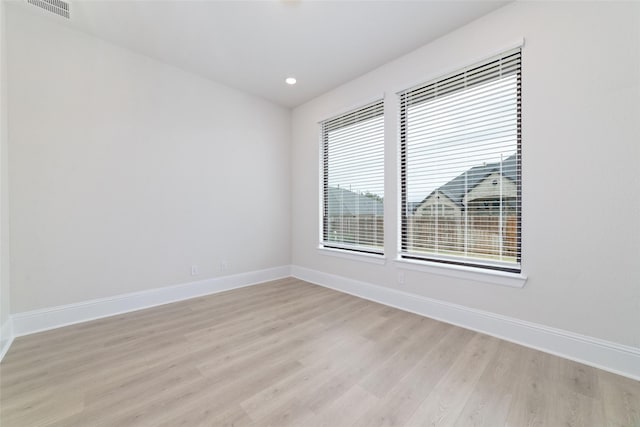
{"points": [[55, 317], [609, 356], [6, 337]]}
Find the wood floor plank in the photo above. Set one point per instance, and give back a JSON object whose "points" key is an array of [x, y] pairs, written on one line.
{"points": [[573, 409], [214, 402], [271, 399], [386, 375], [491, 399], [575, 376], [447, 399], [531, 405], [344, 411], [404, 398], [620, 400], [50, 408], [288, 352]]}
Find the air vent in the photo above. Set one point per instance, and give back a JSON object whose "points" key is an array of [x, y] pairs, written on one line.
{"points": [[58, 7]]}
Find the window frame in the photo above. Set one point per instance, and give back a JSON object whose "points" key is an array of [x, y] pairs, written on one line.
{"points": [[341, 249], [458, 263]]}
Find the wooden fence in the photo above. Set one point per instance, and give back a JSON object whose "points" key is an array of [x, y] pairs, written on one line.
{"points": [[447, 234], [366, 230], [426, 233]]}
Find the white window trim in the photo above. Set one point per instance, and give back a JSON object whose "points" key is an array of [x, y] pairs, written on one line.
{"points": [[325, 117], [379, 259], [322, 249], [515, 44], [476, 274], [355, 106]]}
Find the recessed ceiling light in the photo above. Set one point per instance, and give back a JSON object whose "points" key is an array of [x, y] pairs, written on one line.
{"points": [[290, 80]]}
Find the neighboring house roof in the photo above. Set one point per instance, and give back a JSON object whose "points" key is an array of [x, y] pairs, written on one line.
{"points": [[347, 203], [455, 189], [414, 205]]}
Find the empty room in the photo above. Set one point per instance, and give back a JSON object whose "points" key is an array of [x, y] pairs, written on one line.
{"points": [[319, 213]]}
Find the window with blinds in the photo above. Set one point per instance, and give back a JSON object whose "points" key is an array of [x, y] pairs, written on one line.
{"points": [[460, 139], [353, 180]]}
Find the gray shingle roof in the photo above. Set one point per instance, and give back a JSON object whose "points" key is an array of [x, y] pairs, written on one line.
{"points": [[455, 189], [348, 203]]}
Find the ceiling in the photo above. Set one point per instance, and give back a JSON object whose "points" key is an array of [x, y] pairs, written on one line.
{"points": [[254, 45]]}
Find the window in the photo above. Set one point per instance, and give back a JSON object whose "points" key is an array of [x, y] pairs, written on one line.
{"points": [[353, 180], [460, 142]]}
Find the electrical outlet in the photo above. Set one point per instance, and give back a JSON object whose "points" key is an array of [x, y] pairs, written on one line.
{"points": [[401, 277], [224, 265], [194, 270]]}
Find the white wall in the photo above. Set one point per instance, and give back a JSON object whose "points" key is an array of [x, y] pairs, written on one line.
{"points": [[4, 193], [581, 188], [126, 171]]}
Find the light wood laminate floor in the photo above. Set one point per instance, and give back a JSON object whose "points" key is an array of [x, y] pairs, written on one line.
{"points": [[291, 353]]}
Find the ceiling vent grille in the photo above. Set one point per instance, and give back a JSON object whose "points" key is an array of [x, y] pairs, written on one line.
{"points": [[58, 7]]}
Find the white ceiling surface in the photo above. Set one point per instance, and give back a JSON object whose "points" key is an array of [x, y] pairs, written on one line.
{"points": [[254, 45]]}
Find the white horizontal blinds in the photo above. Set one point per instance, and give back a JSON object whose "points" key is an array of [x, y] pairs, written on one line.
{"points": [[353, 180], [460, 166]]}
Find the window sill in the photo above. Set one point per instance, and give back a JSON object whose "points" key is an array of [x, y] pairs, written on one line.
{"points": [[514, 280], [353, 255]]}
